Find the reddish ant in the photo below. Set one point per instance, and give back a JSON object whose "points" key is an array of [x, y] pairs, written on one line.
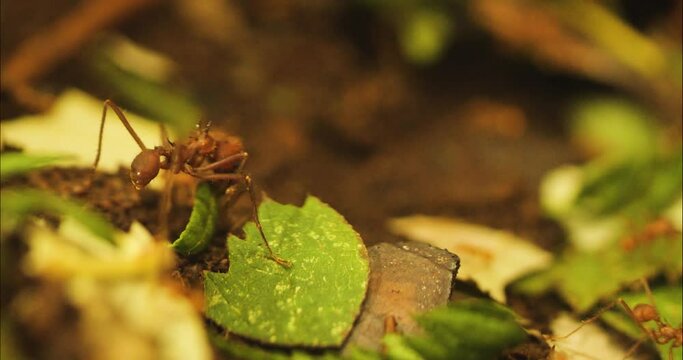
{"points": [[654, 230], [202, 156], [641, 314]]}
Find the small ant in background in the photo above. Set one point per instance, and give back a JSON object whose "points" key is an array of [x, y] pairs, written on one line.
{"points": [[664, 333], [654, 230], [203, 156]]}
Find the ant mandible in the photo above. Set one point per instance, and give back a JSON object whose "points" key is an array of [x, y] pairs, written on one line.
{"points": [[202, 156], [641, 314]]}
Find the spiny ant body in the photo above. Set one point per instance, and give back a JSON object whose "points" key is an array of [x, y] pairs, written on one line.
{"points": [[204, 156]]}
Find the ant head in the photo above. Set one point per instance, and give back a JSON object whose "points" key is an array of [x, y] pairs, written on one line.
{"points": [[145, 167], [203, 126]]}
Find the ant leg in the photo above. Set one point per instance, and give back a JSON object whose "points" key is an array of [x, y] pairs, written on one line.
{"points": [[165, 206], [246, 179], [241, 157], [231, 194], [215, 177], [122, 117], [230, 197], [252, 196], [165, 203], [634, 347], [587, 321]]}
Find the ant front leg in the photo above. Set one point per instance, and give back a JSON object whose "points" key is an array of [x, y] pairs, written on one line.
{"points": [[584, 322], [126, 123]]}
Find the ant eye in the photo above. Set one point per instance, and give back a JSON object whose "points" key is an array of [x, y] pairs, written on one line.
{"points": [[144, 168]]}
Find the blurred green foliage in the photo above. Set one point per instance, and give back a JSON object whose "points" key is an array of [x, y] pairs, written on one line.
{"points": [[17, 204], [148, 96], [472, 329], [16, 163], [425, 28], [614, 127], [607, 205]]}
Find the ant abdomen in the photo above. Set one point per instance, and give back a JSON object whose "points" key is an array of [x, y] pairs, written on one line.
{"points": [[145, 167]]}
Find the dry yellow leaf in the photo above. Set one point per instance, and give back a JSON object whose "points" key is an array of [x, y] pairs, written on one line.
{"points": [[491, 258], [72, 126], [590, 342]]}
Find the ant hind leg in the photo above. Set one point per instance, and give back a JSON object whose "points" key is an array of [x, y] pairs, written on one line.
{"points": [[119, 113], [246, 180], [252, 196]]}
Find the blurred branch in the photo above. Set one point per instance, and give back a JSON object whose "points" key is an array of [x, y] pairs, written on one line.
{"points": [[57, 42], [631, 48], [586, 38], [540, 33]]}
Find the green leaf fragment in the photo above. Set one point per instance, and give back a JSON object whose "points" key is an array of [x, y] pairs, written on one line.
{"points": [[200, 228], [472, 329], [15, 205], [312, 303], [159, 101], [16, 163]]}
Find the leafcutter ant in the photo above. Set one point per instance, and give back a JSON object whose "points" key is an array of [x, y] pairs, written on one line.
{"points": [[654, 230], [203, 156], [642, 314]]}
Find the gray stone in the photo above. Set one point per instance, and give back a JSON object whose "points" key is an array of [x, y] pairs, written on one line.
{"points": [[405, 279]]}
